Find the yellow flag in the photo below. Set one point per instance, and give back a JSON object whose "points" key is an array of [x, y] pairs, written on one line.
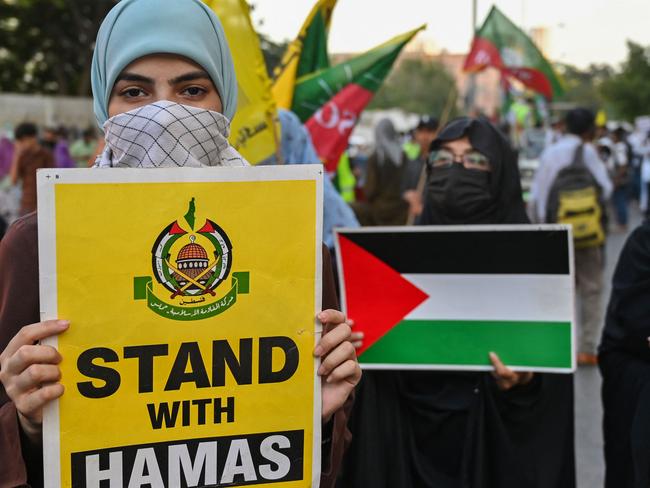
{"points": [[310, 43], [253, 131]]}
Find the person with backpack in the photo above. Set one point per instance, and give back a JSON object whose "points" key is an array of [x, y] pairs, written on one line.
{"points": [[571, 186]]}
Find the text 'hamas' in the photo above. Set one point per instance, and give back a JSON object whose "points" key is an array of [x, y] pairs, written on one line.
{"points": [[219, 461], [231, 461]]}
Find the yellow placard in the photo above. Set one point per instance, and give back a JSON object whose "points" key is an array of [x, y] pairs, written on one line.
{"points": [[192, 301]]}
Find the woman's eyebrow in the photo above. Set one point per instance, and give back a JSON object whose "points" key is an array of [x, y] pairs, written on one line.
{"points": [[135, 77], [194, 75]]}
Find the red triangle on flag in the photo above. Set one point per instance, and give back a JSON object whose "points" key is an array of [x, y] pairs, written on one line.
{"points": [[207, 228], [377, 297], [176, 229]]}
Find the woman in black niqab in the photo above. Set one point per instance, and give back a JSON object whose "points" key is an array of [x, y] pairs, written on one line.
{"points": [[624, 361], [502, 199], [422, 429]]}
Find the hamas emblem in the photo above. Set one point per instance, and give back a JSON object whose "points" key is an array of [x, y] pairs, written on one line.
{"points": [[191, 263]]}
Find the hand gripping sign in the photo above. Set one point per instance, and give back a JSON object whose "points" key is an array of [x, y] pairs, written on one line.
{"points": [[192, 296]]}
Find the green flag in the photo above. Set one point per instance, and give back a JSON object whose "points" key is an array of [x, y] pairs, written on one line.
{"points": [[306, 54], [330, 101], [503, 45]]}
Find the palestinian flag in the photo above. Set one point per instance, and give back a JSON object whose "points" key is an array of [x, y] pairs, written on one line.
{"points": [[306, 54], [444, 297], [503, 45], [330, 101]]}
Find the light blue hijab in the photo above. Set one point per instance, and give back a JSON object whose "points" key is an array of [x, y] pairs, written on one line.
{"points": [[136, 28]]}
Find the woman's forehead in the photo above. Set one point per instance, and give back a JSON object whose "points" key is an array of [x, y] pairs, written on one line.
{"points": [[162, 65], [461, 144]]}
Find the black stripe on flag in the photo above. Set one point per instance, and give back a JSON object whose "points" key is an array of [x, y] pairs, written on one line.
{"points": [[469, 252]]}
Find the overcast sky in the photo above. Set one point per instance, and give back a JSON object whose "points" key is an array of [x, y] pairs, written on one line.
{"points": [[580, 31]]}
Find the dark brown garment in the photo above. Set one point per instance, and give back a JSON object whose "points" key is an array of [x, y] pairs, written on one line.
{"points": [[28, 162], [21, 465], [384, 204]]}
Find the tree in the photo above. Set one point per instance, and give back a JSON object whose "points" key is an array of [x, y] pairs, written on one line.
{"points": [[628, 91], [418, 86], [46, 46], [583, 87]]}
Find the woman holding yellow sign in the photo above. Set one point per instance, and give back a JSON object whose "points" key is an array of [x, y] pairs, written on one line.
{"points": [[164, 91]]}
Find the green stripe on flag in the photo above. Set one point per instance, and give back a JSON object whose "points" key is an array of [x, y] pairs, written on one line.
{"points": [[313, 56], [468, 342]]}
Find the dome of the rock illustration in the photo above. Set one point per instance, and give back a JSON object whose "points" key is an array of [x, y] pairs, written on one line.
{"points": [[192, 262]]}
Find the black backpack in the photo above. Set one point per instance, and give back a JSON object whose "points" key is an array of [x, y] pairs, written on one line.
{"points": [[575, 198]]}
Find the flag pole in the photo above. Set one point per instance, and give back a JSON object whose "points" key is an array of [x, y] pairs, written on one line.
{"points": [[473, 16], [471, 88], [275, 122], [451, 98]]}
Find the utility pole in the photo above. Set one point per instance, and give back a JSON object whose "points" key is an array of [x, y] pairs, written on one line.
{"points": [[474, 16], [471, 88]]}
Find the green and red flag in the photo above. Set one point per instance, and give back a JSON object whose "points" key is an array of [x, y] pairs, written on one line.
{"points": [[445, 297], [501, 44], [306, 54], [330, 101]]}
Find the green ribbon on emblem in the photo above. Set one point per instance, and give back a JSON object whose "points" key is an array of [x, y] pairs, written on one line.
{"points": [[143, 290]]}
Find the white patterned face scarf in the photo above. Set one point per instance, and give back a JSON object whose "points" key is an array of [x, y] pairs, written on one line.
{"points": [[165, 134]]}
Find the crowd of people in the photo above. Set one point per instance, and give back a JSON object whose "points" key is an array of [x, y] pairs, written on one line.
{"points": [[28, 148], [392, 189], [409, 428]]}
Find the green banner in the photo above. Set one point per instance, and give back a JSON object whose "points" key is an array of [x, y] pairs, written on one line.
{"points": [[143, 290]]}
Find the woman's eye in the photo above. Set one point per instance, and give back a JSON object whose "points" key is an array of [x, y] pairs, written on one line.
{"points": [[133, 92], [477, 160], [440, 158], [194, 91]]}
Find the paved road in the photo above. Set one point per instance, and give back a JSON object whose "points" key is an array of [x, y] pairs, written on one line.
{"points": [[588, 410]]}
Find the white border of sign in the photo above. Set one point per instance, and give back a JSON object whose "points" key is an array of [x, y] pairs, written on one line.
{"points": [[464, 228], [47, 179]]}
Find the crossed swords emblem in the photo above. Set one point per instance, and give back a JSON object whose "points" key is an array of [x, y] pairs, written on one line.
{"points": [[193, 281]]}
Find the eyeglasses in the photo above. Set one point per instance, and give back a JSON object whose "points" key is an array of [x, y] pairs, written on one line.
{"points": [[443, 158]]}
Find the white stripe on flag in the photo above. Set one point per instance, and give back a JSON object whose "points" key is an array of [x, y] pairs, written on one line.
{"points": [[547, 298]]}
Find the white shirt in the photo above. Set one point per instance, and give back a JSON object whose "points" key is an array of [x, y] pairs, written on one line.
{"points": [[552, 136], [620, 153], [557, 157]]}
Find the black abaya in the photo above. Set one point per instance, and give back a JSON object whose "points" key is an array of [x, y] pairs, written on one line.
{"points": [[624, 361], [458, 430]]}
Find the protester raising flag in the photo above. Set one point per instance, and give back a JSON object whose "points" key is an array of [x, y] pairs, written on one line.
{"points": [[330, 101], [503, 45], [306, 54], [252, 132]]}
